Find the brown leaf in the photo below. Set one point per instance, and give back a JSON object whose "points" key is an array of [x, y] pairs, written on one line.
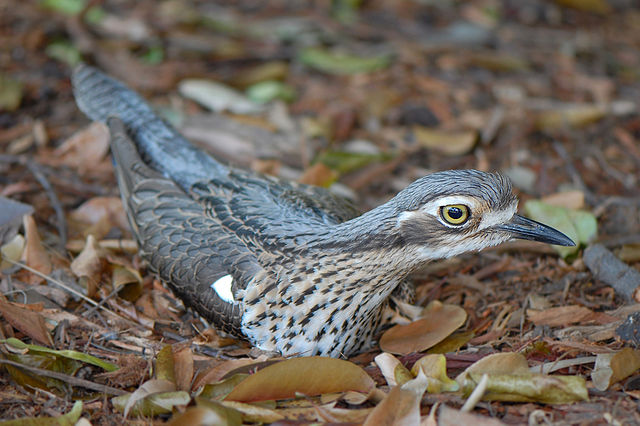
{"points": [[319, 175], [27, 321], [611, 368], [86, 149], [569, 199], [402, 405], [570, 116], [447, 143], [35, 254], [560, 315], [89, 264], [127, 281], [218, 371], [183, 368], [439, 321], [309, 376], [148, 388], [100, 209]]}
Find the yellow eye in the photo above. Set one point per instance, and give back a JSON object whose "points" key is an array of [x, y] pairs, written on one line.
{"points": [[455, 214]]}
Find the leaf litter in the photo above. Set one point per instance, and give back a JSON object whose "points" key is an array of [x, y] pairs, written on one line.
{"points": [[446, 98]]}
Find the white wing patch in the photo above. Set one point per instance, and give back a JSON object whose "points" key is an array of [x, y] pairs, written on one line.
{"points": [[223, 287]]}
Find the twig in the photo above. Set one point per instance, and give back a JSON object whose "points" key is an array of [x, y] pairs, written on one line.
{"points": [[73, 381], [61, 222], [476, 395]]}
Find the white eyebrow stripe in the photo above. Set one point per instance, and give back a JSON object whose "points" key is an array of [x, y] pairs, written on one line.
{"points": [[222, 287], [494, 218]]}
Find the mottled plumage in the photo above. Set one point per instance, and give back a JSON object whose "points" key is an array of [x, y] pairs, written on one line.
{"points": [[307, 275]]}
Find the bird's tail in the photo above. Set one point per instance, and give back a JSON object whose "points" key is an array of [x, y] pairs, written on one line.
{"points": [[160, 145]]}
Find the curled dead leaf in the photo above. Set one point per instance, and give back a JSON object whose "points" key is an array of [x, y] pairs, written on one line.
{"points": [[611, 368], [35, 255]]}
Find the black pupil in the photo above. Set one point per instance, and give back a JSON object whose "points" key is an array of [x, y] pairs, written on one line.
{"points": [[455, 212]]}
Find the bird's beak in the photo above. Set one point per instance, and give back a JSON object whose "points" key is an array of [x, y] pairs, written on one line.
{"points": [[527, 229]]}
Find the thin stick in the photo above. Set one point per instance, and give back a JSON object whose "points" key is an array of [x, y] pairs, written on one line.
{"points": [[61, 222], [476, 395]]}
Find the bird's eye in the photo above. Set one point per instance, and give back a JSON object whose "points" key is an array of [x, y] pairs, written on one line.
{"points": [[455, 214]]}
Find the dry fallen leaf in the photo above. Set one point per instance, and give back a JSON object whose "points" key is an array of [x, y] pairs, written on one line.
{"points": [[611, 368], [99, 209], [89, 264], [500, 363], [11, 251], [35, 254], [509, 379], [148, 388], [183, 368], [86, 149], [309, 375], [438, 322], [558, 316], [401, 406], [393, 371], [447, 143], [27, 321], [570, 116], [568, 199]]}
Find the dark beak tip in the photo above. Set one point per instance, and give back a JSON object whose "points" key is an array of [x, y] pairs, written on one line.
{"points": [[568, 243], [528, 229]]}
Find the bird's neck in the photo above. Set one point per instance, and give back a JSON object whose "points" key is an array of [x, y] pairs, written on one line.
{"points": [[371, 242]]}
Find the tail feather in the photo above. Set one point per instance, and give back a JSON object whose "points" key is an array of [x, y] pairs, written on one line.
{"points": [[160, 145]]}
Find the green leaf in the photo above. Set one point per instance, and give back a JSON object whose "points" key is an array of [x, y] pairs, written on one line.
{"points": [[345, 162], [164, 364], [269, 90], [64, 51], [69, 7], [10, 93], [340, 63], [154, 56], [78, 356], [579, 225]]}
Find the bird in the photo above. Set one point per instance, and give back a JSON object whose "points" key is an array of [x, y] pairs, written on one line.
{"points": [[291, 268]]}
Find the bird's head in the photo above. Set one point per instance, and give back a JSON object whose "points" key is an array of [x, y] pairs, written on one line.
{"points": [[448, 213]]}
